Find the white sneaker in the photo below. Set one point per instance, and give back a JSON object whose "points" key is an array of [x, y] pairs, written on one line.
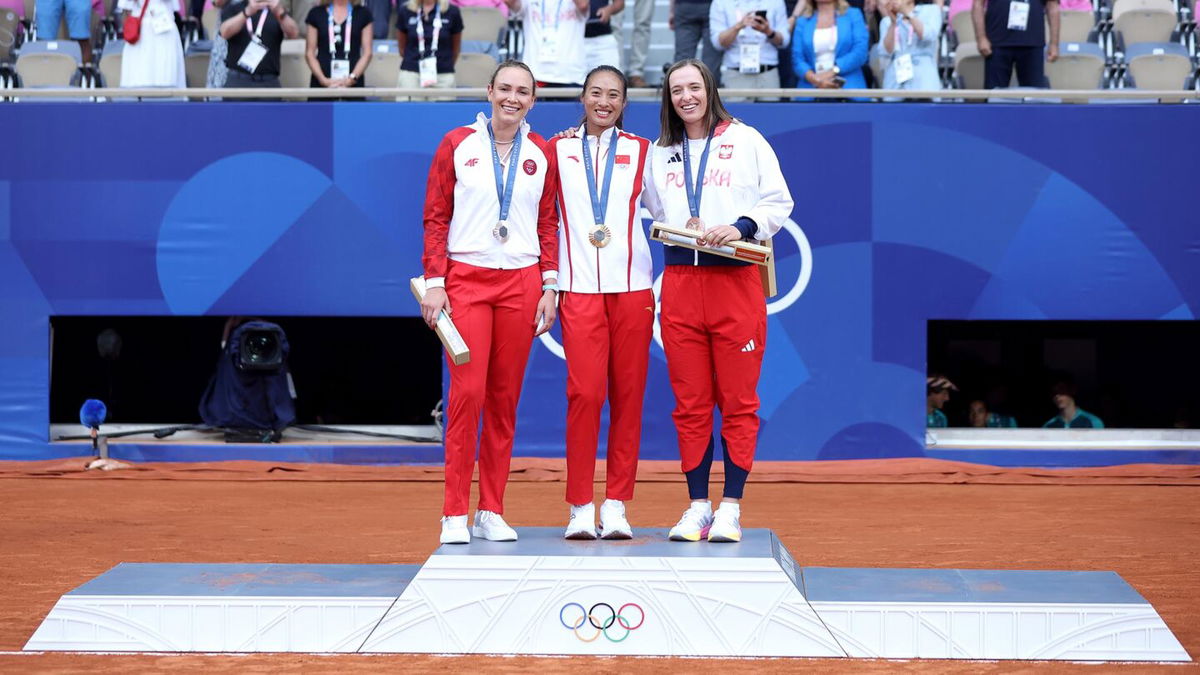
{"points": [[583, 522], [491, 526], [694, 524], [454, 530], [726, 525], [613, 524]]}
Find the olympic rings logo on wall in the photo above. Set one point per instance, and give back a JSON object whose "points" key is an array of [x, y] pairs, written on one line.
{"points": [[603, 622]]}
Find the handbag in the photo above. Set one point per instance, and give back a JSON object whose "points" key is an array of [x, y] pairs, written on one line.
{"points": [[132, 30]]}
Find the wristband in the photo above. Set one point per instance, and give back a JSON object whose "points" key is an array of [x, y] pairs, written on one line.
{"points": [[550, 286]]}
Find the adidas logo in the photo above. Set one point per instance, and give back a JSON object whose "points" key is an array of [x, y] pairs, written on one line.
{"points": [[750, 346], [675, 158]]}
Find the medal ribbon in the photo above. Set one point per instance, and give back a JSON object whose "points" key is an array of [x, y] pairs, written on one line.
{"points": [[693, 193], [504, 191], [599, 203]]}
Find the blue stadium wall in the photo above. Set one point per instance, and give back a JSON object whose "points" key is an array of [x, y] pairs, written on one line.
{"points": [[904, 213]]}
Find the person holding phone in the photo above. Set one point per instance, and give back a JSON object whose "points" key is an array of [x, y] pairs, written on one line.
{"points": [[750, 33], [255, 30], [491, 264], [829, 46]]}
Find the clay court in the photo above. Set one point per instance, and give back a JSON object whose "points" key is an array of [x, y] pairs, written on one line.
{"points": [[63, 527]]}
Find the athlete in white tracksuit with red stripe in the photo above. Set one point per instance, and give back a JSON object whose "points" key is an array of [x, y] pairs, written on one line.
{"points": [[491, 254], [606, 305], [719, 176]]}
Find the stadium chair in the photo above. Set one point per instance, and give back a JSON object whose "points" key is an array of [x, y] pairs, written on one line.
{"points": [[964, 30], [1137, 21], [1080, 65], [110, 63], [875, 59], [473, 70], [481, 47], [968, 66], [384, 68], [1161, 66], [293, 69], [49, 63], [210, 20], [195, 65], [1075, 27], [482, 23], [10, 26], [300, 13]]}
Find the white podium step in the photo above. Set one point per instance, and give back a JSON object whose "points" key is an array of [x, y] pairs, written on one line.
{"points": [[650, 596], [645, 596], [989, 614], [186, 607]]}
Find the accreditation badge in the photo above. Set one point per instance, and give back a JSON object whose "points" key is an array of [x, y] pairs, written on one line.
{"points": [[427, 71]]}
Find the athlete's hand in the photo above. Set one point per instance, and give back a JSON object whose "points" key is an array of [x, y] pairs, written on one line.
{"points": [[720, 235], [547, 309], [433, 304], [566, 133]]}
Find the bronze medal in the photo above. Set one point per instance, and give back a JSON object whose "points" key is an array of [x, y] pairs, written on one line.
{"points": [[694, 223]]}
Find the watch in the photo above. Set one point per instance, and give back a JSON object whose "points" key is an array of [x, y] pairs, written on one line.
{"points": [[836, 70]]}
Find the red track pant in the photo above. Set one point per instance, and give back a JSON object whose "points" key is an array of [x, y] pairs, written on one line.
{"points": [[714, 330], [606, 337], [494, 311]]}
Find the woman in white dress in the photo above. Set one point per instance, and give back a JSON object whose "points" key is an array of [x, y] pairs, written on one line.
{"points": [[156, 59]]}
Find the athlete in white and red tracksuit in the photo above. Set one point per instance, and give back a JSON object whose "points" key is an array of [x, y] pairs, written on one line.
{"points": [[714, 317], [606, 305], [496, 279]]}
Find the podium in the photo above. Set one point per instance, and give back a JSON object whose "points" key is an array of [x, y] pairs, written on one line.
{"points": [[644, 596]]}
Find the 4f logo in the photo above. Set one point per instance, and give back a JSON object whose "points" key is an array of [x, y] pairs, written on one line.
{"points": [[471, 162]]}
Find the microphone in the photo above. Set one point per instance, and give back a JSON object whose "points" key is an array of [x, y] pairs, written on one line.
{"points": [[92, 415]]}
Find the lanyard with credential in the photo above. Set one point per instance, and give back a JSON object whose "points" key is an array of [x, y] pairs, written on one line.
{"points": [[600, 234], [504, 190], [345, 32], [437, 29], [693, 193], [256, 33], [557, 14]]}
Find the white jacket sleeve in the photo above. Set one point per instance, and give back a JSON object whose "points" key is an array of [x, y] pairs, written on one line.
{"points": [[775, 199], [650, 197]]}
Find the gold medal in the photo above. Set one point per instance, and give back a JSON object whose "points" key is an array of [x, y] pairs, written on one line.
{"points": [[600, 236], [694, 223], [500, 232]]}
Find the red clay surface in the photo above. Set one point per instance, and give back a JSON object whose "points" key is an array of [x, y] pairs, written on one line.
{"points": [[56, 534]]}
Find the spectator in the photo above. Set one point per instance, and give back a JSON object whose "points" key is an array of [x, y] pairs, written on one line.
{"points": [[554, 40], [17, 7], [937, 392], [216, 58], [338, 46], [829, 47], [1070, 416], [600, 45], [980, 417], [255, 30], [751, 33], [689, 20], [156, 59], [494, 4], [430, 37], [1012, 33], [381, 12], [639, 43], [49, 14], [910, 45]]}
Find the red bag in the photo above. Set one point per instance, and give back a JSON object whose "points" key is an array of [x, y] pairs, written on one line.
{"points": [[132, 30]]}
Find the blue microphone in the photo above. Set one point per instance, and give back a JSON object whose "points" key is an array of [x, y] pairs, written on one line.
{"points": [[92, 415]]}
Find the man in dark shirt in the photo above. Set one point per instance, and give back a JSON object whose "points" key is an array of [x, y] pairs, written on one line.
{"points": [[1013, 33], [255, 30]]}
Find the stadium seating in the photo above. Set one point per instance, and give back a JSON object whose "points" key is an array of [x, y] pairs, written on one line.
{"points": [[210, 20], [483, 23], [293, 69], [10, 27], [968, 66], [110, 63], [1075, 26], [1158, 66], [1080, 65], [473, 70], [48, 63], [1137, 21], [384, 69]]}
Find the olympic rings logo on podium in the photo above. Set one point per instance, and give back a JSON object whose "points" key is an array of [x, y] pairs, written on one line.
{"points": [[601, 621]]}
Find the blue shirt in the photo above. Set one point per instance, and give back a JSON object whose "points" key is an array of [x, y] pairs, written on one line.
{"points": [[1082, 420], [936, 419]]}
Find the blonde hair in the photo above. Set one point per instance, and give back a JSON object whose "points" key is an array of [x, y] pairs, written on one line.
{"points": [[415, 5], [809, 7]]}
